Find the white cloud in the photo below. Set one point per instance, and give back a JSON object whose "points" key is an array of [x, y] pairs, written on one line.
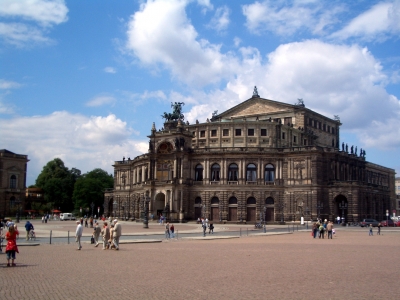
{"points": [[378, 22], [220, 21], [101, 100], [81, 142], [161, 34], [110, 70], [31, 20], [6, 84], [283, 19]]}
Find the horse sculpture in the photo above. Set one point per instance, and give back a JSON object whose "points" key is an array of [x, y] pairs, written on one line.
{"points": [[176, 112]]}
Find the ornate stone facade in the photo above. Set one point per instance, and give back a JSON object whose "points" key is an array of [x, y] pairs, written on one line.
{"points": [[261, 159]]}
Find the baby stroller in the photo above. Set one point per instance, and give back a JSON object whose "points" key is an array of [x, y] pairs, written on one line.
{"points": [[31, 235]]}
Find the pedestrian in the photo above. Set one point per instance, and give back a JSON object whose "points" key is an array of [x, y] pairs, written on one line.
{"points": [[91, 222], [11, 248], [329, 228], [117, 234], [167, 234], [315, 229], [110, 241], [96, 233], [370, 230], [338, 220], [86, 222], [172, 230], [211, 228], [81, 221], [105, 234], [42, 219], [379, 229], [28, 228], [321, 231], [206, 222], [78, 234], [204, 228]]}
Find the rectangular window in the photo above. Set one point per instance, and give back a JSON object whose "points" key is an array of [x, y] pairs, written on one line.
{"points": [[225, 132], [203, 133], [214, 132], [324, 127], [250, 132], [238, 132], [329, 128], [263, 132], [283, 135], [333, 130], [310, 122], [305, 142], [294, 139]]}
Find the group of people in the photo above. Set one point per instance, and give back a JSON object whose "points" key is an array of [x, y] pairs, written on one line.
{"points": [[110, 234], [205, 224], [323, 229], [169, 231]]}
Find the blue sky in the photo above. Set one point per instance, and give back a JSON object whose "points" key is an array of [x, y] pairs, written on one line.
{"points": [[85, 80]]}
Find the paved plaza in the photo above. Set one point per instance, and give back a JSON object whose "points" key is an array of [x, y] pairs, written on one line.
{"points": [[288, 266]]}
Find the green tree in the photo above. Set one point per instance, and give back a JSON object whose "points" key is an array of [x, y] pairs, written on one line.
{"points": [[58, 184], [89, 188]]}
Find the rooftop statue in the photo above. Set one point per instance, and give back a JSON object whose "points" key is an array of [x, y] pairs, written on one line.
{"points": [[176, 112]]}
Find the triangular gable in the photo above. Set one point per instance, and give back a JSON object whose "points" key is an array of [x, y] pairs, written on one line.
{"points": [[255, 106]]}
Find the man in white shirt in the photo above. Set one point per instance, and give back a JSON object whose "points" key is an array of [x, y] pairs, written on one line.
{"points": [[78, 234]]}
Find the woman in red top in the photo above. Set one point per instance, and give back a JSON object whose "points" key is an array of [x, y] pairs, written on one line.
{"points": [[11, 248]]}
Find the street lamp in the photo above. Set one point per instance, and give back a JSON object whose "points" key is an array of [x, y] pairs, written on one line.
{"points": [[343, 207], [320, 206], [146, 210], [92, 206], [265, 211]]}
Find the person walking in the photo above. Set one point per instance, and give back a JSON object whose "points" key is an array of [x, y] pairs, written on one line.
{"points": [[105, 234], [11, 248], [370, 230], [321, 231], [329, 228], [96, 233], [338, 219], [78, 234], [117, 234], [379, 229], [86, 222], [110, 241], [211, 228], [172, 230], [204, 228], [28, 228], [167, 234]]}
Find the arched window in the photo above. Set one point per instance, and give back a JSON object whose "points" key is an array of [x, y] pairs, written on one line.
{"points": [[233, 172], [269, 200], [269, 173], [251, 200], [197, 200], [214, 200], [215, 172], [232, 200], [251, 174], [13, 182], [198, 173]]}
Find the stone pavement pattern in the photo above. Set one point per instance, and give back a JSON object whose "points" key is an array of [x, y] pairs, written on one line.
{"points": [[294, 266]]}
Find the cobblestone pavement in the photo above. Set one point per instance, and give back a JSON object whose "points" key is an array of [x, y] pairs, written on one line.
{"points": [[293, 266]]}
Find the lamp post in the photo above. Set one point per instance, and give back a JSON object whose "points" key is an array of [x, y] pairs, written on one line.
{"points": [[265, 212], [92, 206], [320, 206], [146, 201], [114, 207], [343, 207]]}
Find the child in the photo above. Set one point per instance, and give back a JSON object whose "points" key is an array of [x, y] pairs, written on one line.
{"points": [[11, 248]]}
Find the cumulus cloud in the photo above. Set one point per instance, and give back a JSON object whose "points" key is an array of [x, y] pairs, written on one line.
{"points": [[101, 100], [30, 20], [110, 70], [7, 84], [283, 19], [379, 22], [160, 34], [82, 142], [220, 21]]}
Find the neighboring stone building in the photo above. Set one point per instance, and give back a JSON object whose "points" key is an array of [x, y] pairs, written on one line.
{"points": [[397, 188], [259, 159], [13, 168]]}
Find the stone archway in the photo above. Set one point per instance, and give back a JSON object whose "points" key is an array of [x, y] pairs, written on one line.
{"points": [[159, 204], [341, 208]]}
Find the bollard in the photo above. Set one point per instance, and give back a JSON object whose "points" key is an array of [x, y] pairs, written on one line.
{"points": [[51, 231], [68, 236], [265, 229]]}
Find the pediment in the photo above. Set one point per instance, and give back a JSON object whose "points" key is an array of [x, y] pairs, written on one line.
{"points": [[255, 106]]}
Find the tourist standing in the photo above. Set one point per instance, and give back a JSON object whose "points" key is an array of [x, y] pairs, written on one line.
{"points": [[11, 248], [78, 234], [167, 235], [204, 228], [321, 231], [172, 229], [211, 228], [370, 230], [96, 233], [28, 228], [117, 234], [105, 234], [338, 220], [329, 227], [379, 229]]}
